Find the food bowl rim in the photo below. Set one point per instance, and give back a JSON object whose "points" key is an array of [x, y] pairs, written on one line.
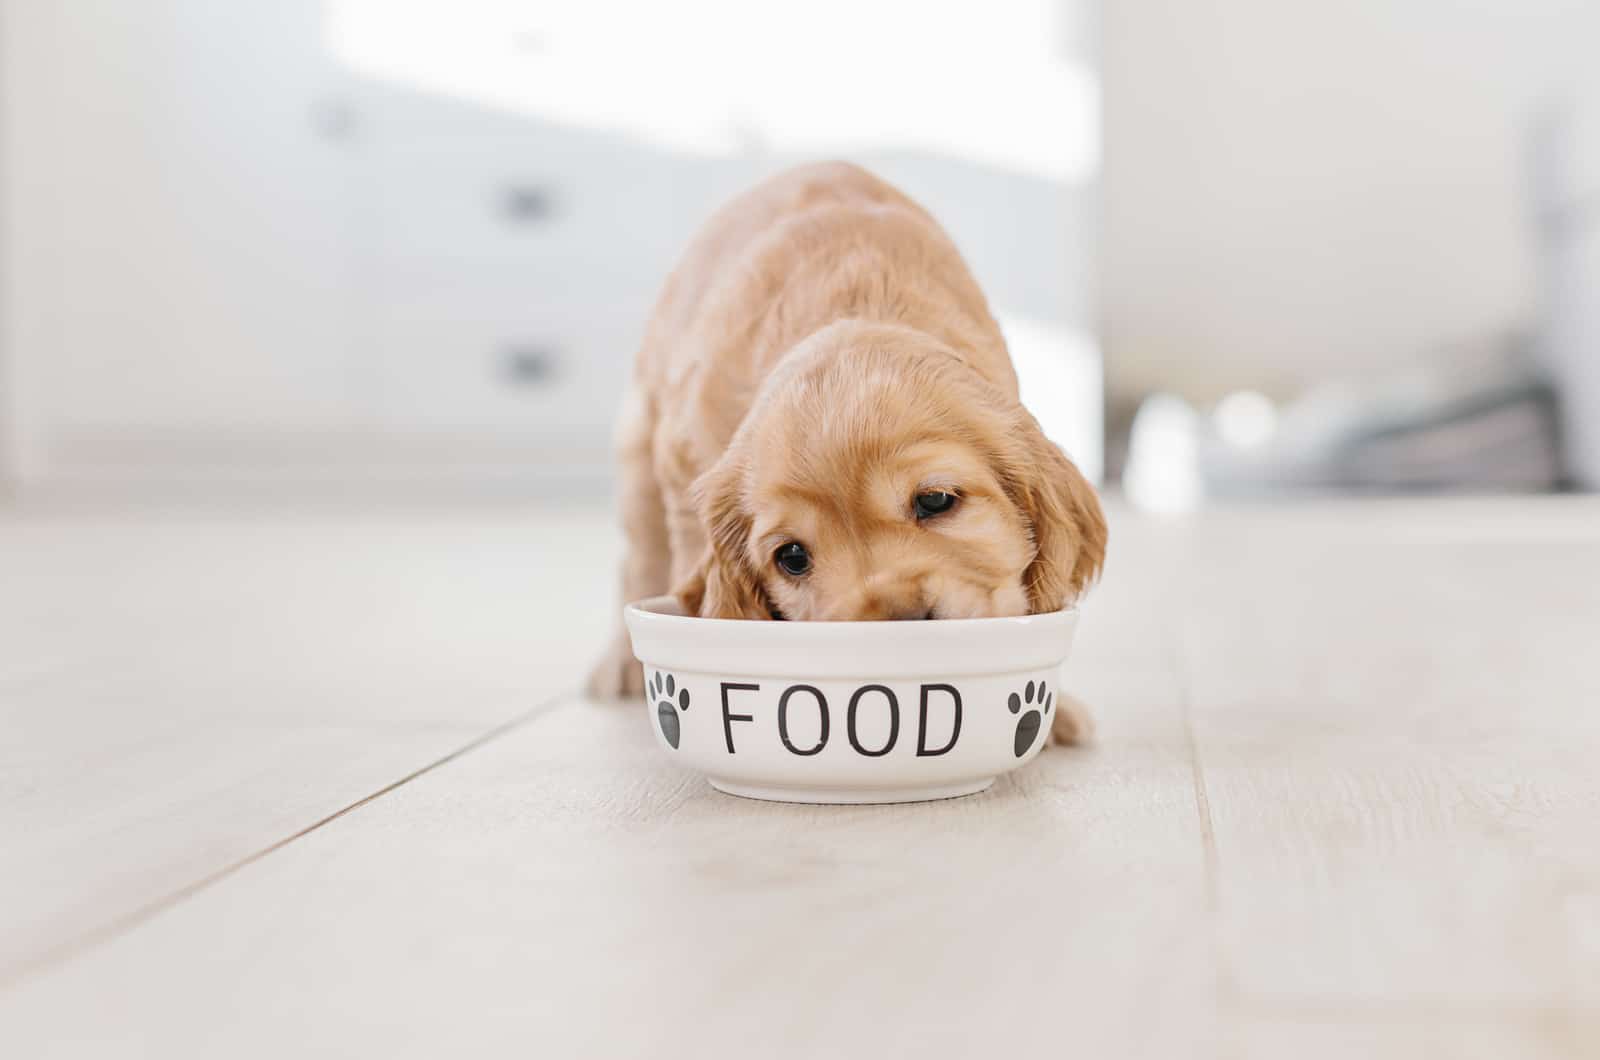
{"points": [[942, 647]]}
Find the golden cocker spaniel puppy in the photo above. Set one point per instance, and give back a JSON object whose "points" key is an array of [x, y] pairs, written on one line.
{"points": [[823, 424]]}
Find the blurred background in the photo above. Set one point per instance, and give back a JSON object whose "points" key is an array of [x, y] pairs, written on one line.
{"points": [[1239, 247]]}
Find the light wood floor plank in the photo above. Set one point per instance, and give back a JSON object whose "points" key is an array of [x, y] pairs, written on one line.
{"points": [[1439, 1034], [1398, 736], [180, 690]]}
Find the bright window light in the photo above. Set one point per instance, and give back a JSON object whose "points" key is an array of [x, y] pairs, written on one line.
{"points": [[1058, 371], [1245, 419], [988, 83]]}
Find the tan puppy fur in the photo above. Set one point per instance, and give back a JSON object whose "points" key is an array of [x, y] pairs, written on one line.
{"points": [[819, 358]]}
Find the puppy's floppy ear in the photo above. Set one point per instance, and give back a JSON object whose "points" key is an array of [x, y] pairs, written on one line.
{"points": [[1069, 529], [723, 585]]}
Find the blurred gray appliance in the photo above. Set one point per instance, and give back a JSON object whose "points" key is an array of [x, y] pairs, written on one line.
{"points": [[1519, 413], [1471, 420]]}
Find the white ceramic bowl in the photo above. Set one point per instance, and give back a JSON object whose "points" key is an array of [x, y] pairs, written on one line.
{"points": [[850, 712]]}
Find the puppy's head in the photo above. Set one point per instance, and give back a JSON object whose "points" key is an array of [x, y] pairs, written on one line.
{"points": [[879, 477]]}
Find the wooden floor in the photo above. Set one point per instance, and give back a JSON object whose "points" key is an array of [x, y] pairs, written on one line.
{"points": [[317, 784]]}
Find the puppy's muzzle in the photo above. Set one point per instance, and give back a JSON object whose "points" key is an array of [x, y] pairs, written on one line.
{"points": [[882, 601]]}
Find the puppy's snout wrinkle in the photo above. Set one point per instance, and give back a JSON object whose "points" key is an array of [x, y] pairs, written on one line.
{"points": [[911, 614], [887, 599], [888, 611]]}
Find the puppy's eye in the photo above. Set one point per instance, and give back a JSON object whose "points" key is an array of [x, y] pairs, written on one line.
{"points": [[792, 559], [934, 502]]}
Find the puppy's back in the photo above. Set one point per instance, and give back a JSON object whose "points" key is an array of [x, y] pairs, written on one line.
{"points": [[727, 238], [806, 247]]}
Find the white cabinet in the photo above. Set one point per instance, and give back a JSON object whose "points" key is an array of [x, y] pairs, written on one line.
{"points": [[234, 251], [507, 270]]}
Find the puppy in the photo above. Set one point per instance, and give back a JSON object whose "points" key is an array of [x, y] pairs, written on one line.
{"points": [[823, 424]]}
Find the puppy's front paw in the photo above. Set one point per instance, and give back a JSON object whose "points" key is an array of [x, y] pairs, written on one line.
{"points": [[618, 675], [1073, 725]]}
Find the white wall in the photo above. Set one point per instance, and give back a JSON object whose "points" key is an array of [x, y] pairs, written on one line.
{"points": [[1298, 188], [15, 66], [7, 441]]}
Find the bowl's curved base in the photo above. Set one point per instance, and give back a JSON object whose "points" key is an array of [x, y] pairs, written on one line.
{"points": [[851, 796]]}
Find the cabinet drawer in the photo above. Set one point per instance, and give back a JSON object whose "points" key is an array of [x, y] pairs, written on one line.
{"points": [[474, 362], [591, 220]]}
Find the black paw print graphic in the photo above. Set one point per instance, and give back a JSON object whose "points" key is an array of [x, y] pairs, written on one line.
{"points": [[662, 687], [1029, 724]]}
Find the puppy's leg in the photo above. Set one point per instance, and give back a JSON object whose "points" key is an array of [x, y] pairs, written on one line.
{"points": [[646, 563], [1073, 725]]}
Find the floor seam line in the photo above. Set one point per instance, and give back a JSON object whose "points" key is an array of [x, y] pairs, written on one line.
{"points": [[1202, 797], [1227, 985], [87, 940]]}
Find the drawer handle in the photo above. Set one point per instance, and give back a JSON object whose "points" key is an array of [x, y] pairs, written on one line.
{"points": [[527, 204], [529, 365]]}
